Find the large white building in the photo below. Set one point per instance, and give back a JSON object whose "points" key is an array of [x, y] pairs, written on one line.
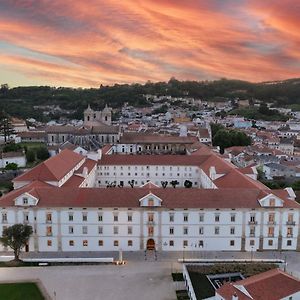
{"points": [[66, 201]]}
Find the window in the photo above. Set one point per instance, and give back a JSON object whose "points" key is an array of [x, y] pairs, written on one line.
{"points": [[25, 200], [71, 243], [71, 217], [49, 230], [116, 218], [150, 217], [289, 242], [100, 230], [71, 230], [84, 217], [185, 218], [116, 229], [232, 243], [100, 217], [217, 230], [271, 218], [171, 217], [129, 218], [150, 230], [252, 242], [26, 217], [201, 230], [185, 230], [116, 243], [201, 244], [232, 218], [129, 230], [201, 218], [232, 230], [290, 218], [84, 230], [252, 231], [85, 243], [185, 243], [48, 217], [272, 202], [49, 243], [271, 231], [4, 217], [171, 243], [252, 218], [290, 231], [100, 243], [270, 242], [171, 230], [129, 243], [150, 202], [217, 218]]}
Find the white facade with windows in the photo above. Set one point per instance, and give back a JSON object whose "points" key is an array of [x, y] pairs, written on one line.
{"points": [[73, 228]]}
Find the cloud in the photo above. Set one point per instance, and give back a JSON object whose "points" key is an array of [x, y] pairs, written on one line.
{"points": [[88, 43]]}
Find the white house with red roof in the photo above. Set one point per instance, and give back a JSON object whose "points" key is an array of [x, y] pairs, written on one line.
{"points": [[271, 285], [71, 204]]}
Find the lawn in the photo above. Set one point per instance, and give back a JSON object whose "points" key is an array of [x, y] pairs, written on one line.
{"points": [[20, 291]]}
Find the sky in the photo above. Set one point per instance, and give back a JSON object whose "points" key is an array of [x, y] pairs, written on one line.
{"points": [[85, 43]]}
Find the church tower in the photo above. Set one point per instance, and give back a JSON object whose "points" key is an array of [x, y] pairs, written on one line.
{"points": [[89, 116], [106, 115]]}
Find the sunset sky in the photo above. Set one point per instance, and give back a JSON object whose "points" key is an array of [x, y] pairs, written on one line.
{"points": [[93, 42]]}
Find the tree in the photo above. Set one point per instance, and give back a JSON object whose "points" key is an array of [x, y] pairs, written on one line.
{"points": [[42, 153], [11, 166], [188, 184], [174, 183], [12, 147], [16, 237], [30, 156], [5, 126]]}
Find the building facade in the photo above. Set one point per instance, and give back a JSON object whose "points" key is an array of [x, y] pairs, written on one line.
{"points": [[223, 209]]}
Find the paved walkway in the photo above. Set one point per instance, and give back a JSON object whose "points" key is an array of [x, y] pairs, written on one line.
{"points": [[138, 279]]}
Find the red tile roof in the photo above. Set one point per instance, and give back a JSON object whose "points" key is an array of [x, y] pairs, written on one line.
{"points": [[133, 138], [119, 159], [54, 168], [129, 197], [270, 285]]}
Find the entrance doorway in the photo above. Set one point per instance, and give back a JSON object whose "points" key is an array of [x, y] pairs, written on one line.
{"points": [[151, 244], [26, 248]]}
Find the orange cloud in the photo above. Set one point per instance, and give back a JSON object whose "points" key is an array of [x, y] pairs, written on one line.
{"points": [[75, 43]]}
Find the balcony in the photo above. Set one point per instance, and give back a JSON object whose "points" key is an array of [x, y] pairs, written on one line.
{"points": [[289, 235], [271, 223], [4, 221], [291, 223], [48, 221], [252, 222], [271, 235], [252, 234], [49, 234]]}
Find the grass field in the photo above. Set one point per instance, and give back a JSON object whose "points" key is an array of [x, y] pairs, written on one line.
{"points": [[20, 291]]}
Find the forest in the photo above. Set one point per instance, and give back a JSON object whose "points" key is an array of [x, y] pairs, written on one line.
{"points": [[19, 101]]}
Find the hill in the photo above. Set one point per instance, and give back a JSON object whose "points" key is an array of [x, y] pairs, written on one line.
{"points": [[20, 101]]}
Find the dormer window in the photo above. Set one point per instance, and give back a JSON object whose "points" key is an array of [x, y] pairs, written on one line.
{"points": [[272, 202], [150, 202], [25, 200]]}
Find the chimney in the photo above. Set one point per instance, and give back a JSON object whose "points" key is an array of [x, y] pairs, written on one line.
{"points": [[235, 296]]}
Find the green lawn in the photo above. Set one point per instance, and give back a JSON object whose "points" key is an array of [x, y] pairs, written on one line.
{"points": [[20, 291], [32, 145]]}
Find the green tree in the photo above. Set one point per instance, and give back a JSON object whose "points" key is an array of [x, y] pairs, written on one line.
{"points": [[12, 147], [11, 166], [16, 237], [30, 156], [5, 126], [42, 153]]}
